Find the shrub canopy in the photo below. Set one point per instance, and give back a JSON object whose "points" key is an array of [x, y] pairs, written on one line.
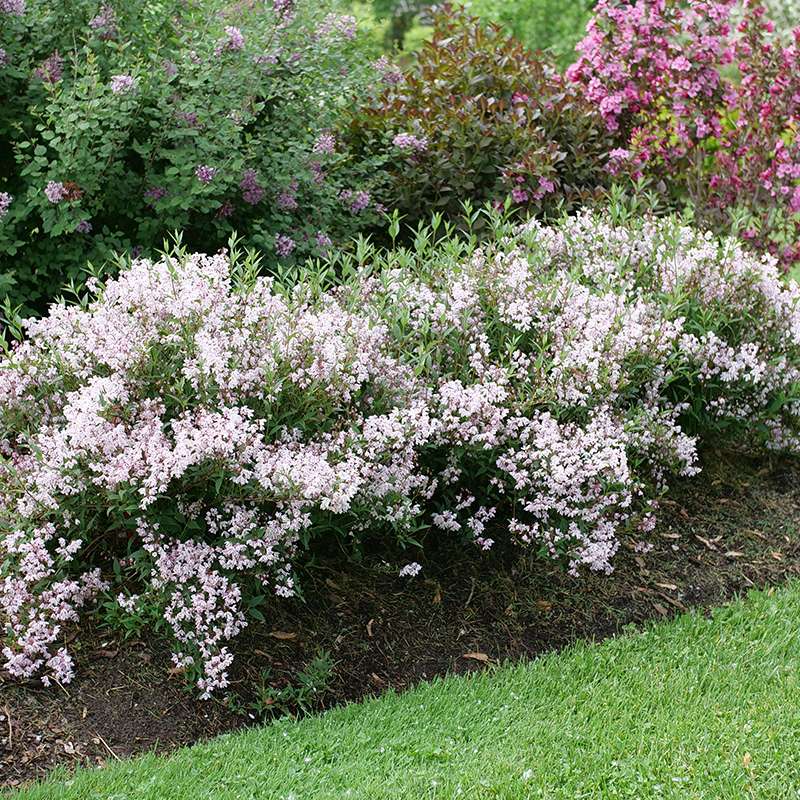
{"points": [[120, 125], [178, 438]]}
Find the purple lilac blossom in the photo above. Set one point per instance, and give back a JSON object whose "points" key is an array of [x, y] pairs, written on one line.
{"points": [[51, 69], [252, 192], [317, 171], [55, 191], [122, 83], [154, 193], [287, 200], [357, 201], [84, 226], [345, 25], [389, 73], [204, 173], [284, 245], [105, 23], [233, 41], [189, 118], [284, 10], [408, 141], [14, 7], [5, 202], [325, 143]]}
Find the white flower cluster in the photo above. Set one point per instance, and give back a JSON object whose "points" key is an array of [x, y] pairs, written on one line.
{"points": [[197, 428]]}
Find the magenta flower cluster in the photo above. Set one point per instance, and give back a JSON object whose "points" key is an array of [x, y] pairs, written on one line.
{"points": [[533, 389], [706, 99]]}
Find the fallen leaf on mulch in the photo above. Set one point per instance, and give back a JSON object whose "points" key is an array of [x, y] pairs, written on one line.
{"points": [[105, 653], [709, 543], [282, 635], [476, 656], [734, 554], [369, 628]]}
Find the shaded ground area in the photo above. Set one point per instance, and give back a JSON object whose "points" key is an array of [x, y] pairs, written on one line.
{"points": [[734, 528]]}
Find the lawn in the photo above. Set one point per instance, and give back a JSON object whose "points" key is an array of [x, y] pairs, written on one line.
{"points": [[697, 707]]}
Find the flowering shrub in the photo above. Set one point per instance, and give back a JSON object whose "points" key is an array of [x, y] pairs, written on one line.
{"points": [[125, 121], [181, 435], [477, 117], [709, 107]]}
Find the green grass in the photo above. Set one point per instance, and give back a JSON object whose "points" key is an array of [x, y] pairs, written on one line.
{"points": [[693, 708], [552, 25]]}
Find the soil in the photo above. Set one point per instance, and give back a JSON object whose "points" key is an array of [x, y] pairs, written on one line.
{"points": [[736, 527]]}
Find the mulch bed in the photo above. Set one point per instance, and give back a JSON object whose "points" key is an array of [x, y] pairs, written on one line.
{"points": [[734, 528]]}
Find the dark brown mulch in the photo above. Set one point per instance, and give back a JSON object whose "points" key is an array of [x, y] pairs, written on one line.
{"points": [[735, 528]]}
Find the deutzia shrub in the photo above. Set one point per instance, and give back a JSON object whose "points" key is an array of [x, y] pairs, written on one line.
{"points": [[178, 438]]}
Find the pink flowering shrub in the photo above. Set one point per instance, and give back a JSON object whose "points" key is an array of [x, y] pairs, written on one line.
{"points": [[704, 96], [179, 438], [198, 117]]}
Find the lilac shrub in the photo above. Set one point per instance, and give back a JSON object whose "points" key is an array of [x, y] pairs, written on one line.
{"points": [[180, 116], [178, 439]]}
